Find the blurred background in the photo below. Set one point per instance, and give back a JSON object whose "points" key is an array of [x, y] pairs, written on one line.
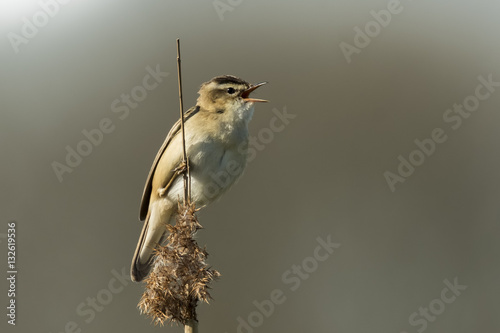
{"points": [[355, 102]]}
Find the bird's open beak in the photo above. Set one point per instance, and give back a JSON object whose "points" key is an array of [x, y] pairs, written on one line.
{"points": [[247, 92]]}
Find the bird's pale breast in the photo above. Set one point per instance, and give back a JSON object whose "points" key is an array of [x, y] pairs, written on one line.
{"points": [[215, 165]]}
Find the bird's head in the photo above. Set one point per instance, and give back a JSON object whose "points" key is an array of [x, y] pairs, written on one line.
{"points": [[227, 93]]}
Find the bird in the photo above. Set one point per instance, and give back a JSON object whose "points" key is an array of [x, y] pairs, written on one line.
{"points": [[216, 137]]}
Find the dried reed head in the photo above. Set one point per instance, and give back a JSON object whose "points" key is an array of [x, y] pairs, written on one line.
{"points": [[180, 275]]}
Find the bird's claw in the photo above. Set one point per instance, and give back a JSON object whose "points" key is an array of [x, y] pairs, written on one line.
{"points": [[181, 168]]}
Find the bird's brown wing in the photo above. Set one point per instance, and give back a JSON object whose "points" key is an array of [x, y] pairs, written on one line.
{"points": [[146, 194]]}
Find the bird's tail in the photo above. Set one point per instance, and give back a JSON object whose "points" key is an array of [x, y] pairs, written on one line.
{"points": [[152, 234]]}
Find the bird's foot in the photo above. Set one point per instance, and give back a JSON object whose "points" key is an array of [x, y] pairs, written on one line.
{"points": [[181, 168]]}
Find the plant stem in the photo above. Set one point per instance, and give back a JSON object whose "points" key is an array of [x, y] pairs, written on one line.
{"points": [[187, 185], [191, 326]]}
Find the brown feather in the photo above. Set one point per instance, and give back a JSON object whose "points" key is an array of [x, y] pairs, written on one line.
{"points": [[146, 194]]}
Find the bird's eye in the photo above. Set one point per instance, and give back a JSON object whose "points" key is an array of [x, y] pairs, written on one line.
{"points": [[231, 91]]}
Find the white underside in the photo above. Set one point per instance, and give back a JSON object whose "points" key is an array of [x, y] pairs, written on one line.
{"points": [[212, 175]]}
